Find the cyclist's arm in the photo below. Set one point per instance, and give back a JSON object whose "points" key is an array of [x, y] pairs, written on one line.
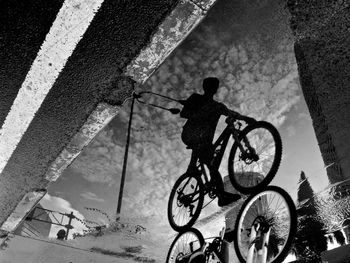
{"points": [[185, 113], [238, 116]]}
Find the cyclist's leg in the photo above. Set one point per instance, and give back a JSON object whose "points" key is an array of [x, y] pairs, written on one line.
{"points": [[216, 179], [229, 235], [225, 251], [205, 154], [192, 166], [224, 198]]}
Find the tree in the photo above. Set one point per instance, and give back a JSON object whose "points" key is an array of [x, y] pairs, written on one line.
{"points": [[310, 239], [305, 196], [335, 203], [305, 191]]}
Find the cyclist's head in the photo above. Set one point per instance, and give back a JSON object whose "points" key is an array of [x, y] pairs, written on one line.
{"points": [[210, 85]]}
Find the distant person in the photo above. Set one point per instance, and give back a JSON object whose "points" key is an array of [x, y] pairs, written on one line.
{"points": [[61, 234], [203, 113]]}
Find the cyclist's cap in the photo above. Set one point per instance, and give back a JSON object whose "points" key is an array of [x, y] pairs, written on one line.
{"points": [[211, 84]]}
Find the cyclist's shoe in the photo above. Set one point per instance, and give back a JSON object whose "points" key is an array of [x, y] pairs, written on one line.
{"points": [[226, 198], [229, 236]]}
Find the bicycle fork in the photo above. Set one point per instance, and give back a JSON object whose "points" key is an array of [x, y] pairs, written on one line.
{"points": [[250, 154], [262, 251]]}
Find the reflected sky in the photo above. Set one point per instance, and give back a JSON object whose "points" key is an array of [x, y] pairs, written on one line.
{"points": [[248, 46]]}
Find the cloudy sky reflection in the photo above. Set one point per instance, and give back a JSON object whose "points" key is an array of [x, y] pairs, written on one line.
{"points": [[249, 47]]}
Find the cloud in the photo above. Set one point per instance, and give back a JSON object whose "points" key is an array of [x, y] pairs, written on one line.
{"points": [[101, 161], [91, 196], [63, 206], [258, 76], [264, 87], [291, 131], [304, 116]]}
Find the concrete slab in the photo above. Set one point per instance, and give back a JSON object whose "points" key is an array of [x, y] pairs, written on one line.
{"points": [[94, 82]]}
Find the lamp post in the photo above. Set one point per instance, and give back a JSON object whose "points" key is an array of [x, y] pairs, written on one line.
{"points": [[137, 97], [122, 180]]}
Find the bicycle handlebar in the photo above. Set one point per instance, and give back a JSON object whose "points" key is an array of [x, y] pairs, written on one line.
{"points": [[232, 120]]}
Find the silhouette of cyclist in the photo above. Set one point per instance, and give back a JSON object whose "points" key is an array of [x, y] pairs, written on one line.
{"points": [[203, 113]]}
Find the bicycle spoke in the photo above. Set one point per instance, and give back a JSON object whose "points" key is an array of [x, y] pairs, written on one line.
{"points": [[254, 160], [271, 207], [262, 166], [186, 202], [184, 244], [270, 202]]}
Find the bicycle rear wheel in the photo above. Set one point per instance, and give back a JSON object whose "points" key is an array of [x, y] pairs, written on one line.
{"points": [[276, 208], [185, 202], [253, 169], [184, 245]]}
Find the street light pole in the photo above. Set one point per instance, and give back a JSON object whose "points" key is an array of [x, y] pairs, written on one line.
{"points": [[69, 225], [125, 158]]}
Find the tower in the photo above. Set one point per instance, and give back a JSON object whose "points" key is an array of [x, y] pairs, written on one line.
{"points": [[321, 41]]}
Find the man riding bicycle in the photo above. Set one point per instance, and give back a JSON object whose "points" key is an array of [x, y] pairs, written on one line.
{"points": [[203, 113]]}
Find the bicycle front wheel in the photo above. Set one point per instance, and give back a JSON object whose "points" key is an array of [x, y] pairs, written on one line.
{"points": [[184, 245], [272, 207], [254, 160], [185, 202]]}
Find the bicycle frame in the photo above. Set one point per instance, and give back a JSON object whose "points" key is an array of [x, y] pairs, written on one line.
{"points": [[215, 251], [220, 146], [212, 249], [261, 254]]}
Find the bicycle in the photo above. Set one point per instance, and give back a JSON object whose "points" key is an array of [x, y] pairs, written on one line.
{"points": [[251, 167], [247, 151], [264, 231]]}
